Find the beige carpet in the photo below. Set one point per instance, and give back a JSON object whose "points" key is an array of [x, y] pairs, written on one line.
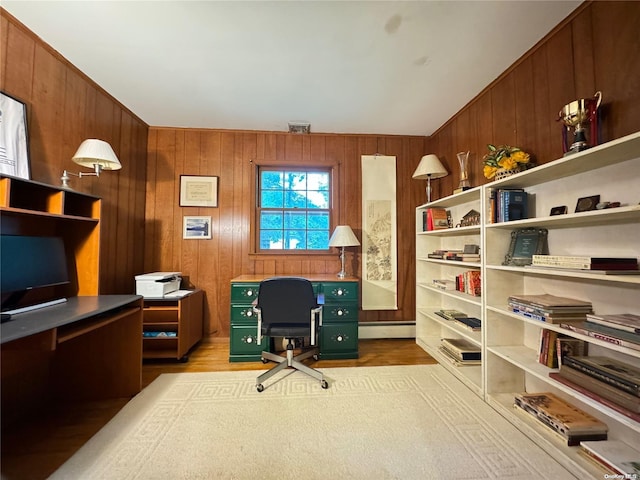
{"points": [[404, 422]]}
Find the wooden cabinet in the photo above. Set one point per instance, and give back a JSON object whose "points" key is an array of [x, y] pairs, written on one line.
{"points": [[510, 342], [339, 332], [172, 326]]}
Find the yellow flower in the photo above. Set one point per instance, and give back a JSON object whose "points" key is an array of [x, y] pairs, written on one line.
{"points": [[520, 157], [489, 171], [508, 163]]}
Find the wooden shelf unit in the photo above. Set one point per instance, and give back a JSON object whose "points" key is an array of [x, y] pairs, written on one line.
{"points": [[181, 317], [509, 342]]}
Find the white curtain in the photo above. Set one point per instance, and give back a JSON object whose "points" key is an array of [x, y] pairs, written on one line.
{"points": [[379, 249]]}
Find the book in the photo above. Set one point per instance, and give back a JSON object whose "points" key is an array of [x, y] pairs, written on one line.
{"points": [[557, 259], [549, 318], [455, 360], [606, 334], [437, 219], [628, 322], [553, 311], [450, 314], [570, 346], [622, 458], [461, 349], [559, 415], [550, 302], [513, 205], [600, 388], [612, 371], [470, 323]]}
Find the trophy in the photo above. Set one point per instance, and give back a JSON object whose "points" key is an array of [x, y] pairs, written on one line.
{"points": [[577, 114], [463, 160]]}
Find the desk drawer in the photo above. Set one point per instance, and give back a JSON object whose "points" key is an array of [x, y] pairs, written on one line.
{"points": [[243, 314], [243, 344], [244, 293], [340, 312], [339, 340], [338, 291]]}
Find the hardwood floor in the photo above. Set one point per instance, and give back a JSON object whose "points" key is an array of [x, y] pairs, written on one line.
{"points": [[39, 447]]}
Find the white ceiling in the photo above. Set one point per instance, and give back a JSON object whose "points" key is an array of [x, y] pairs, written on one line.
{"points": [[381, 67]]}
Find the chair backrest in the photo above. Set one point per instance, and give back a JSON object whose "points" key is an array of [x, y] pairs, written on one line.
{"points": [[286, 300]]}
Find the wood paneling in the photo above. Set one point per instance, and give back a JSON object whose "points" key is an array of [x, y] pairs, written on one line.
{"points": [[596, 48], [64, 107], [233, 156]]}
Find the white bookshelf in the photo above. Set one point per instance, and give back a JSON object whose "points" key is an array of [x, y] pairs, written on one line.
{"points": [[509, 342]]}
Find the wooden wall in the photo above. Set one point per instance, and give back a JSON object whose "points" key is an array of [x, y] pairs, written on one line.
{"points": [[231, 155], [597, 49], [64, 107]]}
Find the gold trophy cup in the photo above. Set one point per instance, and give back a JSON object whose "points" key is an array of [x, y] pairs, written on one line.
{"points": [[576, 115]]}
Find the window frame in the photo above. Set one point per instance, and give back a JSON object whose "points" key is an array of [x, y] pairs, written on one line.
{"points": [[330, 169]]}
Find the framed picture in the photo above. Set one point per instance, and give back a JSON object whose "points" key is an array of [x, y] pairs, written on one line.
{"points": [[198, 228], [525, 243], [587, 203], [198, 191], [558, 210], [14, 143]]}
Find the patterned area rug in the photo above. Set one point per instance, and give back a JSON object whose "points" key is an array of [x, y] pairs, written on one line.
{"points": [[401, 422]]}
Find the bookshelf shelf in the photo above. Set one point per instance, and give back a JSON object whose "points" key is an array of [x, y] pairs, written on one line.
{"points": [[510, 342]]}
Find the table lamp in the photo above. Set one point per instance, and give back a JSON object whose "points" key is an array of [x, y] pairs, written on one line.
{"points": [[342, 237], [429, 167], [92, 153]]}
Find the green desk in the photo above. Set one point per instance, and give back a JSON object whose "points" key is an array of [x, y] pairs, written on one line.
{"points": [[339, 332]]}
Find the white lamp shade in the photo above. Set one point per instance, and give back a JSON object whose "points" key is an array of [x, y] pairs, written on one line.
{"points": [[430, 167], [96, 152], [343, 236]]}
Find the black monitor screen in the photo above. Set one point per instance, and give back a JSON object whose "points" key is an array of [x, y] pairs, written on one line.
{"points": [[28, 262]]}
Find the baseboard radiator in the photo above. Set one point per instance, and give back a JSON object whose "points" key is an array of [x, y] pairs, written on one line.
{"points": [[387, 330]]}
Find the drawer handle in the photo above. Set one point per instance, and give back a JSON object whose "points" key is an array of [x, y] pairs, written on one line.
{"points": [[339, 338], [340, 312], [249, 313], [248, 339], [249, 293]]}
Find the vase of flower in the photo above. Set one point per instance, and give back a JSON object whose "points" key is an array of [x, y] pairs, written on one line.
{"points": [[463, 161], [504, 160]]}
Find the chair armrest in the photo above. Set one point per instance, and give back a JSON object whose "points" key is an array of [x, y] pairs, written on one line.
{"points": [[258, 312]]}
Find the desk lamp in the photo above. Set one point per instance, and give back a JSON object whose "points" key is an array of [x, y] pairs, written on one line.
{"points": [[92, 153], [342, 237], [429, 167]]}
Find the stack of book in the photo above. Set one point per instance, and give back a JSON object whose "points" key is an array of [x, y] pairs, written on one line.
{"points": [[460, 352], [469, 282], [603, 265], [444, 284], [616, 458], [444, 254], [550, 308], [461, 319], [435, 219], [465, 257], [620, 329], [604, 379], [568, 421]]}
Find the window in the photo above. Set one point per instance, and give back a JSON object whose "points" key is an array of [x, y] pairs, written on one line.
{"points": [[294, 208]]}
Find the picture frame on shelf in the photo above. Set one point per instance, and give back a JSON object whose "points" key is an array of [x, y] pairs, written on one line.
{"points": [[198, 191], [196, 228], [561, 210], [525, 243], [14, 137], [586, 204]]}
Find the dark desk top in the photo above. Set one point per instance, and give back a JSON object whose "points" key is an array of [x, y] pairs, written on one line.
{"points": [[73, 310]]}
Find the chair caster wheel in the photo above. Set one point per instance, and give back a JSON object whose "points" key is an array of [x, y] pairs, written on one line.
{"points": [[316, 357], [260, 387], [324, 384], [264, 360]]}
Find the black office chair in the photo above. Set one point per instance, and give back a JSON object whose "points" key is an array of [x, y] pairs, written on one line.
{"points": [[287, 307]]}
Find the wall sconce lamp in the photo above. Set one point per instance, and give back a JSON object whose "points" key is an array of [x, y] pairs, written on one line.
{"points": [[342, 237], [92, 153], [429, 167]]}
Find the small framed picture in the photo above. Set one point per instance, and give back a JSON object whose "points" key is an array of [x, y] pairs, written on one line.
{"points": [[198, 228], [14, 141], [525, 243], [587, 203], [198, 191], [558, 210]]}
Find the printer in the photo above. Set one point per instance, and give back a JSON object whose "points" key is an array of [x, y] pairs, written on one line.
{"points": [[157, 284]]}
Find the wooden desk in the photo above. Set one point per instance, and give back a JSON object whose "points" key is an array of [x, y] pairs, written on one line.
{"points": [[85, 349]]}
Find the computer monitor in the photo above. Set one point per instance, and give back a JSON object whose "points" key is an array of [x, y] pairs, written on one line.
{"points": [[28, 263]]}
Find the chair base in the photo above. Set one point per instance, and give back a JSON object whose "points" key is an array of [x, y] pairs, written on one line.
{"points": [[292, 362]]}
